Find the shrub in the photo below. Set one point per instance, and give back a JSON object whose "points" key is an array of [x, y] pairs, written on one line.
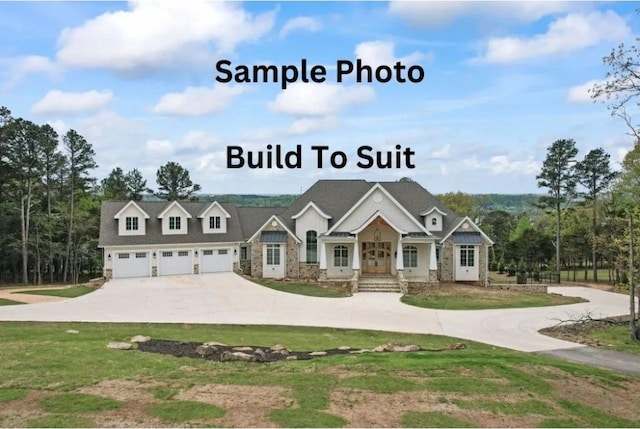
{"points": [[501, 267], [511, 269]]}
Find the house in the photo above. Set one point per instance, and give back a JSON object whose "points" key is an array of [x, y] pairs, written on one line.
{"points": [[360, 234]]}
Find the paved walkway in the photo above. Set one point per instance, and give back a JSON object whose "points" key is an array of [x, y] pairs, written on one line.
{"points": [[626, 363], [14, 294], [230, 299]]}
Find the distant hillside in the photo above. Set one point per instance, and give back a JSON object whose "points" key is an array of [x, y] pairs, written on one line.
{"points": [[516, 203]]}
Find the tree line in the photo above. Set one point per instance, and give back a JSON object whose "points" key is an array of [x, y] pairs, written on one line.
{"points": [[50, 201]]}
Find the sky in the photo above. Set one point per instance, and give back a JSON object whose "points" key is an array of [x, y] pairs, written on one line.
{"points": [[142, 82]]}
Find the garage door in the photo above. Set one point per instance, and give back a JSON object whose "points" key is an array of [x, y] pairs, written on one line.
{"points": [[131, 264], [175, 262], [216, 261]]}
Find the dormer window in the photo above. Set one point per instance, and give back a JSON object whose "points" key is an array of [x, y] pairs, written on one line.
{"points": [[131, 223], [214, 222], [174, 222], [434, 221]]}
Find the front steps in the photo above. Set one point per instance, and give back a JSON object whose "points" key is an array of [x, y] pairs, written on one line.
{"points": [[378, 284]]}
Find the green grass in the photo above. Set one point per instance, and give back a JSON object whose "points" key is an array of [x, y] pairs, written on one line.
{"points": [[8, 395], [4, 301], [487, 300], [71, 292], [40, 359], [301, 418], [433, 420], [301, 288], [60, 421], [184, 411], [616, 338], [77, 403]]}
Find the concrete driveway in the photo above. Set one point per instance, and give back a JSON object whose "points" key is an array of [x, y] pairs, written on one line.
{"points": [[230, 299]]}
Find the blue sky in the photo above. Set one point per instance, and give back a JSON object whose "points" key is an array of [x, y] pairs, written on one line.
{"points": [[503, 80]]}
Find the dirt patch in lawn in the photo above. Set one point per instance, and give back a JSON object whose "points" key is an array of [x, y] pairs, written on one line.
{"points": [[247, 406]]}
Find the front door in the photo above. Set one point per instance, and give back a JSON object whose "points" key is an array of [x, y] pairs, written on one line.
{"points": [[376, 257]]}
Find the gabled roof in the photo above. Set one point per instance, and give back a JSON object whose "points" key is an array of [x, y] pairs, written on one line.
{"points": [[364, 198], [170, 206], [313, 206], [377, 214], [277, 219], [473, 226], [129, 204], [432, 209], [210, 206]]}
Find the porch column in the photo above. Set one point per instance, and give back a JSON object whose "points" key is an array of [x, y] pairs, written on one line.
{"points": [[355, 265], [433, 261], [323, 255], [399, 255]]}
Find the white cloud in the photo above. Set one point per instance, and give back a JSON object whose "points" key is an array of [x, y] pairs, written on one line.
{"points": [[439, 13], [378, 52], [158, 33], [59, 102], [159, 146], [442, 153], [311, 125], [320, 99], [581, 94], [198, 140], [197, 101], [503, 164], [19, 68], [564, 35], [300, 23]]}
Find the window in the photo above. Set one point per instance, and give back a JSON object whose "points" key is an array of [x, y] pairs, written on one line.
{"points": [[312, 247], [123, 256], [208, 252], [174, 222], [434, 221], [141, 255], [467, 256], [410, 256], [340, 256], [131, 223], [223, 252], [244, 253], [167, 254], [214, 222], [183, 253], [273, 254]]}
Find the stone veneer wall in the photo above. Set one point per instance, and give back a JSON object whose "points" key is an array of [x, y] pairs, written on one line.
{"points": [[309, 271], [484, 269], [531, 288], [447, 261], [292, 268], [417, 286], [256, 259], [196, 268], [244, 267], [108, 273], [292, 260]]}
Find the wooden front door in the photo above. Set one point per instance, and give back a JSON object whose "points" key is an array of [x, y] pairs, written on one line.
{"points": [[376, 257]]}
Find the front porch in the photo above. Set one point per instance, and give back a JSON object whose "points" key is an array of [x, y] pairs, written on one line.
{"points": [[379, 257]]}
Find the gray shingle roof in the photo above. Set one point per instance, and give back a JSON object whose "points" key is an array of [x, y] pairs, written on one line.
{"points": [[334, 197]]}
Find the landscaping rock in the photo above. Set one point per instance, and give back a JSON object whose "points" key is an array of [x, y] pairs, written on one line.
{"points": [[360, 351], [71, 331], [292, 358], [344, 348], [278, 347], [140, 339], [390, 347], [318, 354], [215, 343], [114, 345], [243, 349], [205, 350]]}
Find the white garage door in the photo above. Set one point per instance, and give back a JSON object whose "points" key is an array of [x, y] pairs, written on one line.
{"points": [[175, 262], [131, 264], [216, 261]]}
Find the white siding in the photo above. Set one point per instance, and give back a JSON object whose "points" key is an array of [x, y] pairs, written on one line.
{"points": [[377, 201], [131, 211], [422, 269], [429, 221], [309, 221], [214, 211], [174, 211], [334, 272]]}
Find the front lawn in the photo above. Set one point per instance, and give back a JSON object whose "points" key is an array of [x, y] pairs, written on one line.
{"points": [[460, 297], [301, 288], [53, 378], [71, 292], [9, 302]]}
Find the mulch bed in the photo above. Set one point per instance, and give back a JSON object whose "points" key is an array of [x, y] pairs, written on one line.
{"points": [[578, 332]]}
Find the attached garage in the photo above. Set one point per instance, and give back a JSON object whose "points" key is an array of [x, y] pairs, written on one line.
{"points": [[216, 260], [131, 264], [175, 262]]}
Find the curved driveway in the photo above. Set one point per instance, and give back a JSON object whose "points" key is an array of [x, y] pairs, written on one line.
{"points": [[230, 299]]}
